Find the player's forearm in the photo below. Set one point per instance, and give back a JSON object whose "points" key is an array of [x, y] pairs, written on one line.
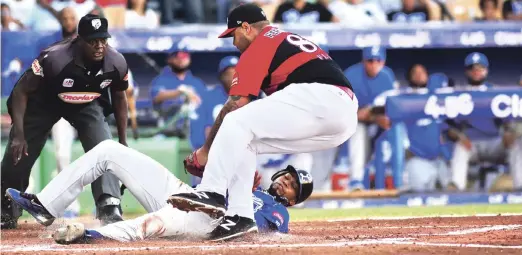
{"points": [[166, 95], [132, 111], [514, 17], [120, 114], [27, 84], [233, 103], [18, 111]]}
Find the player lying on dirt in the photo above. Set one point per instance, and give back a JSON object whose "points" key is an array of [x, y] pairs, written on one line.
{"points": [[152, 184]]}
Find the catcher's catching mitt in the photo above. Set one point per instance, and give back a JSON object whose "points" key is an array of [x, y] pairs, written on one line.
{"points": [[192, 165]]}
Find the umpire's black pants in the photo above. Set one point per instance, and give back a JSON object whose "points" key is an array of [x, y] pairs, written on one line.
{"points": [[38, 122]]}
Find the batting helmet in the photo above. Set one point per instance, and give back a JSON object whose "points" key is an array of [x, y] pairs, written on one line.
{"points": [[304, 181]]}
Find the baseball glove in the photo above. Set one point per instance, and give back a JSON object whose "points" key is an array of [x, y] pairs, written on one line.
{"points": [[192, 165]]}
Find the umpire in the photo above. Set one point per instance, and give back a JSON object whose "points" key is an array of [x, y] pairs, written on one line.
{"points": [[70, 79]]}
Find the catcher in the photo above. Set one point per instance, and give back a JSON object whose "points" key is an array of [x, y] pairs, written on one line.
{"points": [[152, 184]]}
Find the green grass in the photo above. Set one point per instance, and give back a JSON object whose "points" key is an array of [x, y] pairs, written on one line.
{"points": [[326, 214]]}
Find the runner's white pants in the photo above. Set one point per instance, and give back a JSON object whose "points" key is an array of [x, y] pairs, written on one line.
{"points": [[146, 179], [300, 118]]}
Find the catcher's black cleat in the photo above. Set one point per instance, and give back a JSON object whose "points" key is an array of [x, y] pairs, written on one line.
{"points": [[232, 227], [210, 203]]}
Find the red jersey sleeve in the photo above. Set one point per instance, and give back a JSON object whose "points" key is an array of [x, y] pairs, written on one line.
{"points": [[253, 65]]}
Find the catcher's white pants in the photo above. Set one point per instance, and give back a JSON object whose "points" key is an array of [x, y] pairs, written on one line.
{"points": [[146, 179], [303, 117], [486, 151]]}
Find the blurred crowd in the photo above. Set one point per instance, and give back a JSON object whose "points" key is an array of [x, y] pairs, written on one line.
{"points": [[150, 14], [181, 100]]}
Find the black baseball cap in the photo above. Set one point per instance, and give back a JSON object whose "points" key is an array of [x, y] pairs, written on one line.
{"points": [[249, 13], [93, 27]]}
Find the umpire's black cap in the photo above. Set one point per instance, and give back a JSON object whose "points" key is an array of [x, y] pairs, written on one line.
{"points": [[93, 27], [304, 180], [249, 13]]}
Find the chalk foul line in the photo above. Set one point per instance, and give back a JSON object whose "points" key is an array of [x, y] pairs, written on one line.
{"points": [[390, 241]]}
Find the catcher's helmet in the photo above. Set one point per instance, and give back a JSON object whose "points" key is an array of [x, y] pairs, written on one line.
{"points": [[304, 181]]}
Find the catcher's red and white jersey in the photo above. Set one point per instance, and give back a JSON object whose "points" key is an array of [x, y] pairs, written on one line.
{"points": [[277, 58]]}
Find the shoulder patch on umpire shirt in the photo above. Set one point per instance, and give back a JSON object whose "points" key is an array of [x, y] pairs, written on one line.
{"points": [[37, 68], [105, 83]]}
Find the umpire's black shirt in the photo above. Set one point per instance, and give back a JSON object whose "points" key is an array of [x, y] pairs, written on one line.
{"points": [[68, 83]]}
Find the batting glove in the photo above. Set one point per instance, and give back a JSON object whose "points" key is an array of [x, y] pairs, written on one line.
{"points": [[192, 165]]}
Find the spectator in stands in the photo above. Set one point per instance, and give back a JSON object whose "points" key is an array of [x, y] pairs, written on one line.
{"points": [[193, 11], [417, 76], [416, 11], [8, 22], [357, 12], [68, 23], [175, 83], [301, 11], [40, 19], [369, 78], [478, 140], [139, 16], [489, 10], [268, 6], [81, 7], [21, 10], [512, 10]]}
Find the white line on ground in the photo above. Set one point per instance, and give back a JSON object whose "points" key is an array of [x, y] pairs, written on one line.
{"points": [[390, 241], [482, 229], [423, 217]]}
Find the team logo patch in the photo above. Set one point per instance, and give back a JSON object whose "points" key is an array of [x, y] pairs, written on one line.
{"points": [[105, 83], [258, 203], [305, 178], [278, 216], [37, 68], [68, 83], [78, 97], [96, 24]]}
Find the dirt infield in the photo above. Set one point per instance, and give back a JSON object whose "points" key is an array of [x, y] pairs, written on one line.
{"points": [[441, 235]]}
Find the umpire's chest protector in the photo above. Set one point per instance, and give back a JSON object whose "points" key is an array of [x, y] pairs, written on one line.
{"points": [[70, 85]]}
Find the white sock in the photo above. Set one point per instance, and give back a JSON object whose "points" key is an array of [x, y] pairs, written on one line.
{"points": [[226, 155], [240, 200]]}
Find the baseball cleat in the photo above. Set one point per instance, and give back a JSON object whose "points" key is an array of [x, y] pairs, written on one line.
{"points": [[108, 210], [232, 227], [109, 214], [29, 202], [8, 221], [72, 233], [211, 203]]}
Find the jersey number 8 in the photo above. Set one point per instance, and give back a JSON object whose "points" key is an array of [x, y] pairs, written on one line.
{"points": [[302, 43]]}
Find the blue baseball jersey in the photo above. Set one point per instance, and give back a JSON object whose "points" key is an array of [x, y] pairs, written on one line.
{"points": [[269, 214], [424, 137], [366, 88], [480, 129], [212, 100], [168, 80]]}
